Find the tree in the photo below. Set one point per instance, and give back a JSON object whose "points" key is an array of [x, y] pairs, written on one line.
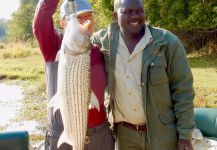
{"points": [[103, 15], [182, 14], [20, 27], [194, 21]]}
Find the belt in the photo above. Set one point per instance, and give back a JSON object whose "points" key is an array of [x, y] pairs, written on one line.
{"points": [[97, 129], [140, 128]]}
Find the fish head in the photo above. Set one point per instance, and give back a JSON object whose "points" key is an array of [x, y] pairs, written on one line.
{"points": [[76, 39]]}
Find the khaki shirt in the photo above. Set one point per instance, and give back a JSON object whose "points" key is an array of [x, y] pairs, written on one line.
{"points": [[128, 91]]}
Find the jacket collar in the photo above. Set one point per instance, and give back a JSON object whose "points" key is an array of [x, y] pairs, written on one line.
{"points": [[157, 36]]}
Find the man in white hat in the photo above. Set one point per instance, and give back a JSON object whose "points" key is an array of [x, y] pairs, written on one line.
{"points": [[49, 40]]}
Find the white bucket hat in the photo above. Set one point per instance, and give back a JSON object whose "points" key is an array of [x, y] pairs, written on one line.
{"points": [[81, 6]]}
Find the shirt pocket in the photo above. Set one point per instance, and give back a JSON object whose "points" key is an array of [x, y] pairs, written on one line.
{"points": [[157, 69]]}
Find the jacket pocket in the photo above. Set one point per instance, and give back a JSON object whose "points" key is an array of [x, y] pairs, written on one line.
{"points": [[167, 117], [157, 69]]}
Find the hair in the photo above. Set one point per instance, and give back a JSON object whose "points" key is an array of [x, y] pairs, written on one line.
{"points": [[118, 3]]}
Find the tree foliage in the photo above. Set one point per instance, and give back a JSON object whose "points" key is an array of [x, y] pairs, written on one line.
{"points": [[20, 26], [56, 16], [103, 12], [180, 15]]}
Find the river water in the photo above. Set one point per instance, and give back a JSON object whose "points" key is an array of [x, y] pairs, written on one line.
{"points": [[11, 97]]}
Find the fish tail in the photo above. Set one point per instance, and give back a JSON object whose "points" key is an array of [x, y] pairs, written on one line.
{"points": [[63, 139], [94, 102], [55, 103]]}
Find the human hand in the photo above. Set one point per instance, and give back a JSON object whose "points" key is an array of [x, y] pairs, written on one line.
{"points": [[184, 145], [75, 36], [87, 27]]}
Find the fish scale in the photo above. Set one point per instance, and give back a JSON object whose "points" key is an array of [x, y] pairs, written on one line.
{"points": [[78, 99]]}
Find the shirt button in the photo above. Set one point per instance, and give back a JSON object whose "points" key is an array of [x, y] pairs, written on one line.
{"points": [[152, 64], [128, 77], [143, 83]]}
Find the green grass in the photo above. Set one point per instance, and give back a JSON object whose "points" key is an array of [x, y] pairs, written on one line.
{"points": [[21, 62], [204, 69], [36, 138], [29, 68]]}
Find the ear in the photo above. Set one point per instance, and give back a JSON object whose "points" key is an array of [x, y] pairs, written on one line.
{"points": [[115, 15]]}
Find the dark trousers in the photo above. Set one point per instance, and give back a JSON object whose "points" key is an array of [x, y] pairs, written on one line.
{"points": [[130, 139]]}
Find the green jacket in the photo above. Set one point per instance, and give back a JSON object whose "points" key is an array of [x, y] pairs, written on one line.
{"points": [[167, 85]]}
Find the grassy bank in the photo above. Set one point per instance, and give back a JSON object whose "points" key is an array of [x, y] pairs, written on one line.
{"points": [[24, 66], [33, 107], [204, 68], [21, 62]]}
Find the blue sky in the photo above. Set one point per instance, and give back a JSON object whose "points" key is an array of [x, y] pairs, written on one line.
{"points": [[7, 7]]}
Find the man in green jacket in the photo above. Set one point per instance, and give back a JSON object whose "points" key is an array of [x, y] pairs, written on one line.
{"points": [[150, 84]]}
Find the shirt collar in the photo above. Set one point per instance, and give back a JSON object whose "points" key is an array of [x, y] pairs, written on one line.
{"points": [[144, 41]]}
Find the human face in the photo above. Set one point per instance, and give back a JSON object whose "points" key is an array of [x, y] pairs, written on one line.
{"points": [[130, 17]]}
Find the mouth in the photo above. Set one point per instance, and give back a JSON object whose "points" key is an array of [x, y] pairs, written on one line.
{"points": [[135, 24]]}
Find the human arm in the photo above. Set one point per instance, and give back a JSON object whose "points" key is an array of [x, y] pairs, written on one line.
{"points": [[48, 38], [98, 36], [181, 88], [95, 38]]}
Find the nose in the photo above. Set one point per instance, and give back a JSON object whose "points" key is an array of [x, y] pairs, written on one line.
{"points": [[136, 16]]}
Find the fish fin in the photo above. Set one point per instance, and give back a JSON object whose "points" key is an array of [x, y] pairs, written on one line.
{"points": [[55, 103], [57, 56], [63, 139], [94, 103]]}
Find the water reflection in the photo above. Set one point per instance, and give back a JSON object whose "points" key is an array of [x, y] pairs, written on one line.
{"points": [[10, 102], [11, 97]]}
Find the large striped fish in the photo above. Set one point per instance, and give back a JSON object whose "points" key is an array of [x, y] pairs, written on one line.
{"points": [[73, 89]]}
